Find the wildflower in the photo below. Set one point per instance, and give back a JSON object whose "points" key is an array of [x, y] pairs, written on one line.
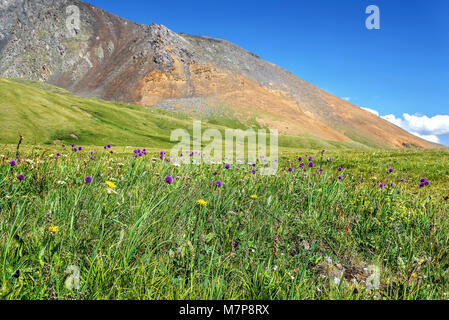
{"points": [[12, 163], [329, 159], [310, 158], [340, 178], [413, 275], [73, 146], [110, 184], [290, 169], [381, 185], [80, 148], [21, 177], [53, 229], [88, 179], [111, 152], [340, 168], [402, 180], [169, 179], [310, 164], [300, 159], [201, 202], [227, 166], [253, 171], [218, 183], [446, 198], [391, 170], [63, 145], [109, 146], [254, 196]]}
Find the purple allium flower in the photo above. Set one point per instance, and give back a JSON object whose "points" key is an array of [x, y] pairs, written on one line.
{"points": [[399, 191], [392, 184], [253, 164], [422, 184], [168, 160], [310, 158], [169, 179], [73, 145], [161, 156], [340, 168], [227, 166], [426, 183], [21, 177], [290, 169], [109, 146], [218, 183], [300, 159], [422, 180], [402, 180], [301, 164], [88, 179], [381, 185], [63, 145], [105, 147], [390, 170], [80, 148], [340, 178], [311, 164], [329, 159], [446, 198], [12, 163], [58, 154], [111, 152], [253, 171]]}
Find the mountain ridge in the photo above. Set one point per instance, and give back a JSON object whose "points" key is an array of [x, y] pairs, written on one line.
{"points": [[116, 59]]}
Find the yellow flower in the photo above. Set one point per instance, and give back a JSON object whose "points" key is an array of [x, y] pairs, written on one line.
{"points": [[254, 196], [53, 229], [201, 202], [110, 184], [414, 275]]}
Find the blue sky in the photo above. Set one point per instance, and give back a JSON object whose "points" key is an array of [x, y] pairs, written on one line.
{"points": [[401, 68]]}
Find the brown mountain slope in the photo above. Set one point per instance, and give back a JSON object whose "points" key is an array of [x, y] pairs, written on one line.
{"points": [[115, 59]]}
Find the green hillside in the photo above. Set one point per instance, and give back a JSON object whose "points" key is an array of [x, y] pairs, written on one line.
{"points": [[47, 115]]}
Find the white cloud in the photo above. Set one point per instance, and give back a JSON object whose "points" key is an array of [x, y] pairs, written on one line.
{"points": [[346, 98], [428, 128], [372, 111]]}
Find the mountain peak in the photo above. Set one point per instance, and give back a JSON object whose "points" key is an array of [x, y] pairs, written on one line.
{"points": [[113, 58]]}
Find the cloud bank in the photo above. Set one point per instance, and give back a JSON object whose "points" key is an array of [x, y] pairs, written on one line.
{"points": [[428, 128]]}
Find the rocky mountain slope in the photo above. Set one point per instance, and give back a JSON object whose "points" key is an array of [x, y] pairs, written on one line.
{"points": [[115, 59]]}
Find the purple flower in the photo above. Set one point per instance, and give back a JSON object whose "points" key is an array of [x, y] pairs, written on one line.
{"points": [[218, 183], [402, 180], [290, 169], [111, 152], [310, 158], [381, 185], [109, 146], [80, 148], [21, 177], [253, 164], [300, 159], [446, 198], [311, 164], [73, 145], [340, 168], [88, 179], [105, 147], [12, 163], [301, 164], [169, 179], [340, 178], [227, 166], [58, 154], [63, 145], [390, 170], [329, 159], [422, 180], [253, 171], [392, 184]]}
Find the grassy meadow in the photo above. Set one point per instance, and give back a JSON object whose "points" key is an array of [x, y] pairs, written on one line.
{"points": [[92, 224], [128, 233]]}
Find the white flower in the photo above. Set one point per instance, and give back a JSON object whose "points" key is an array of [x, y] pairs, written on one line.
{"points": [[275, 268]]}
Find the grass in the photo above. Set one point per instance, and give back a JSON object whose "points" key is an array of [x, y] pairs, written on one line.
{"points": [[45, 115], [306, 236]]}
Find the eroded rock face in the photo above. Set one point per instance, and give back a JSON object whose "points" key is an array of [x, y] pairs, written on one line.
{"points": [[112, 58]]}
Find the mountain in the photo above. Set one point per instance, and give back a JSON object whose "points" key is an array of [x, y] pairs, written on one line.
{"points": [[111, 58]]}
